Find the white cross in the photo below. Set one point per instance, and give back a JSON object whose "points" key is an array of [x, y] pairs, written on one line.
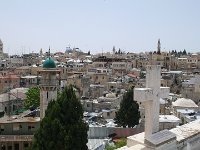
{"points": [[150, 96]]}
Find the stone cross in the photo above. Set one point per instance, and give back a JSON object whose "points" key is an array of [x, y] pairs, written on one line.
{"points": [[150, 97]]}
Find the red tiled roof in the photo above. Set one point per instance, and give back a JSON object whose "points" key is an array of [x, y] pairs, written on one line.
{"points": [[132, 75]]}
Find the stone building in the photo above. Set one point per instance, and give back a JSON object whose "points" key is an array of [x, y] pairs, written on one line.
{"points": [[99, 78], [17, 133], [192, 62], [168, 122], [81, 82], [182, 63], [9, 81], [184, 103], [191, 88], [12, 101], [15, 61], [108, 102]]}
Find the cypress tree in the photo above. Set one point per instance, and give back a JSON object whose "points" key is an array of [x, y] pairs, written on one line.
{"points": [[128, 114], [63, 126]]}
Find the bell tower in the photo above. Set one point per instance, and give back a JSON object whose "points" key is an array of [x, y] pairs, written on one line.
{"points": [[48, 85]]}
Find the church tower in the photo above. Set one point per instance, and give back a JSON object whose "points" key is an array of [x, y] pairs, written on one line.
{"points": [[159, 47], [1, 48], [48, 85]]}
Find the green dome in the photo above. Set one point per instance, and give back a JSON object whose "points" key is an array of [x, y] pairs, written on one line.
{"points": [[49, 63]]}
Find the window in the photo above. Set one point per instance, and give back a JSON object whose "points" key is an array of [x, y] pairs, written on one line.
{"points": [[2, 127], [31, 127], [108, 114], [16, 127]]}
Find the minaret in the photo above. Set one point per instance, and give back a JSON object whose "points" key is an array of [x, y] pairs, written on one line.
{"points": [[49, 84], [1, 48], [159, 47]]}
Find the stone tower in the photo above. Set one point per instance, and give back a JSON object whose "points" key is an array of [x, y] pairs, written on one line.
{"points": [[159, 47], [1, 48], [48, 85]]}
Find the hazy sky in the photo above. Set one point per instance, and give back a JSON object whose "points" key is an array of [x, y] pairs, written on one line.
{"points": [[98, 25]]}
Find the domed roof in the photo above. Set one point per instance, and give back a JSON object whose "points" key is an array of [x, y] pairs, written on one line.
{"points": [[49, 63], [183, 102], [68, 50]]}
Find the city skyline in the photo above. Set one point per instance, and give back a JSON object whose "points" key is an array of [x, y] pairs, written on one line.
{"points": [[130, 25]]}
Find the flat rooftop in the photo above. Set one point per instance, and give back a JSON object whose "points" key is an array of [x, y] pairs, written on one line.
{"points": [[185, 131], [168, 118]]}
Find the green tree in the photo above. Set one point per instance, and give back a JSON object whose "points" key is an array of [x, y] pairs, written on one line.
{"points": [[184, 52], [32, 98], [63, 126], [128, 114], [142, 75]]}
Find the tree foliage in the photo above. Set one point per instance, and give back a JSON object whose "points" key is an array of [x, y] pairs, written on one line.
{"points": [[63, 126], [120, 143], [128, 114], [142, 75], [184, 52], [32, 98]]}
